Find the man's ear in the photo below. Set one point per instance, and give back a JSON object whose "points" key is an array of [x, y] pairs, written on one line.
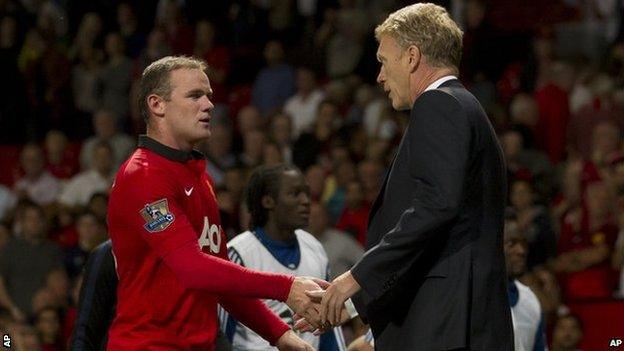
{"points": [[414, 56], [268, 202], [156, 105]]}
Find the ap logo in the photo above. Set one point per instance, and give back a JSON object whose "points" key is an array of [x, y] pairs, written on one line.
{"points": [[615, 343]]}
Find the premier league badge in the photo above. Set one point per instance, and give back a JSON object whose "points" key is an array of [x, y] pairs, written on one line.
{"points": [[157, 216]]}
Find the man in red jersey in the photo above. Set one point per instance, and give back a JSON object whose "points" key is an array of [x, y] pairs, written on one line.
{"points": [[167, 237]]}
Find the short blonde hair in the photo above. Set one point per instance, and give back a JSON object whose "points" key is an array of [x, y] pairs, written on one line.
{"points": [[155, 78], [430, 28]]}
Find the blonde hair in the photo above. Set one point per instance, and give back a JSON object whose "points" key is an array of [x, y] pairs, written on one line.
{"points": [[156, 78], [430, 28]]}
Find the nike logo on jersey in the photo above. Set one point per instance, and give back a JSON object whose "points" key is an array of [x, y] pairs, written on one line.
{"points": [[188, 192]]}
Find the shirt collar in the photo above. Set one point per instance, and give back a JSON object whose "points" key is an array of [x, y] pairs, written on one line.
{"points": [[168, 152], [437, 83], [512, 293]]}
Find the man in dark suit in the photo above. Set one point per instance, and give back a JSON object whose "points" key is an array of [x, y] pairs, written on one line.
{"points": [[433, 277]]}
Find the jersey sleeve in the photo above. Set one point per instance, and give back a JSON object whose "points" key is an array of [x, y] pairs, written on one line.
{"points": [[147, 202]]}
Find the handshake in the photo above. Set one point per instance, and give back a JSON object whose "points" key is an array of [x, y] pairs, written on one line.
{"points": [[320, 305]]}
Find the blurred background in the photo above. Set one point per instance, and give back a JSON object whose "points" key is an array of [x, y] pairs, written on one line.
{"points": [[294, 81]]}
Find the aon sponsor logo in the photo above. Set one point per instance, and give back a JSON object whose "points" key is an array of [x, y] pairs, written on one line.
{"points": [[210, 236]]}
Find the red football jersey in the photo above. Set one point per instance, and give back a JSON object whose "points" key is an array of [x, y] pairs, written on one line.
{"points": [[162, 199]]}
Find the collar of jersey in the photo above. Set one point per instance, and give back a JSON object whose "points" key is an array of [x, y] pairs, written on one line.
{"points": [[512, 292], [286, 253], [168, 152]]}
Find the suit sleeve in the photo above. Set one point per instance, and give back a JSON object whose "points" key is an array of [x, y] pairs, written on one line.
{"points": [[438, 143], [168, 232], [96, 306]]}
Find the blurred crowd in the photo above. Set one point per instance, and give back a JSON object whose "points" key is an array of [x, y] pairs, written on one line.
{"points": [[294, 81]]}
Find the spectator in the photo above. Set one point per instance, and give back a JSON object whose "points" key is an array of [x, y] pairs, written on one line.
{"points": [[98, 178], [37, 184], [179, 34], [585, 247], [336, 188], [281, 133], [315, 176], [91, 232], [61, 159], [218, 150], [602, 108], [271, 154], [105, 125], [216, 56], [302, 106], [7, 201], [58, 284], [275, 83], [98, 205], [128, 26], [26, 261], [342, 249], [5, 234], [247, 119], [48, 324], [354, 216], [89, 35], [554, 112], [253, 147], [84, 81], [525, 307], [534, 223], [370, 173], [567, 333], [157, 47], [523, 163], [116, 78], [310, 146]]}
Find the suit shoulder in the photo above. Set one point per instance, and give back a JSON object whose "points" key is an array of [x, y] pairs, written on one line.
{"points": [[445, 98]]}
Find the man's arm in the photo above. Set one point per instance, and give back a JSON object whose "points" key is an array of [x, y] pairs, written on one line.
{"points": [[438, 142], [7, 302], [96, 306]]}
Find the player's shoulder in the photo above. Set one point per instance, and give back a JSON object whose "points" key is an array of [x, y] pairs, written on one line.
{"points": [[142, 166], [307, 240], [528, 296], [243, 242]]}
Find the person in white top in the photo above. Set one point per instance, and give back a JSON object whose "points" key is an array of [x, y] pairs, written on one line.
{"points": [[37, 184], [106, 130], [278, 200], [526, 312], [97, 179], [302, 106]]}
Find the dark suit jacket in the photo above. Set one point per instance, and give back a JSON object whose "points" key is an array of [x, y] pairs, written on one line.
{"points": [[434, 276]]}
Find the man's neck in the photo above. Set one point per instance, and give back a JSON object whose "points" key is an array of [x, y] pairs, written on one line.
{"points": [[169, 140], [276, 233], [421, 81]]}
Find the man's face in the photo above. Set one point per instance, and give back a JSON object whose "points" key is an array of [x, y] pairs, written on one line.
{"points": [[102, 160], [33, 225], [187, 112], [318, 219], [292, 205], [104, 125], [394, 72], [515, 250], [32, 161], [567, 333]]}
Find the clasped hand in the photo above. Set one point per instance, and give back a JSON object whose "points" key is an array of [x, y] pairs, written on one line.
{"points": [[319, 304]]}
